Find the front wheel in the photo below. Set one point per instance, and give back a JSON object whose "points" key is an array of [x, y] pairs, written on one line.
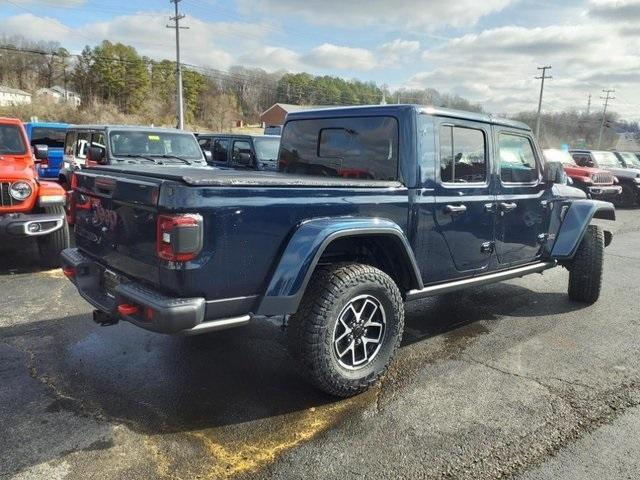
{"points": [[51, 245], [347, 328], [585, 270]]}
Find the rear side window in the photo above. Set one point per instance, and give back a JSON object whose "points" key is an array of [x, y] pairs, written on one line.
{"points": [[462, 155], [517, 160], [362, 147]]}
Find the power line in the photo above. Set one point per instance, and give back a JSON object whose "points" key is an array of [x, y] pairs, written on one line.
{"points": [[542, 78], [606, 99]]}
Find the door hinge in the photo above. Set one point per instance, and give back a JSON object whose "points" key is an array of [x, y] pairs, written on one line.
{"points": [[542, 238], [487, 247]]}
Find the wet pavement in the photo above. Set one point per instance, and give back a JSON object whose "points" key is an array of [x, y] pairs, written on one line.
{"points": [[503, 380]]}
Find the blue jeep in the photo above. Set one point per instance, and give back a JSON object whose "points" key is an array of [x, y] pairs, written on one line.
{"points": [[371, 207], [52, 135]]}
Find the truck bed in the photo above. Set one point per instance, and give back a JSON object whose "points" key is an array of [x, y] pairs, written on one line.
{"points": [[214, 177]]}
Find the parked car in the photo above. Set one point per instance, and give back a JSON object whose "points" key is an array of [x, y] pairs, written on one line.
{"points": [[87, 145], [629, 178], [29, 207], [455, 200], [596, 183], [52, 135], [252, 152], [273, 130], [628, 159]]}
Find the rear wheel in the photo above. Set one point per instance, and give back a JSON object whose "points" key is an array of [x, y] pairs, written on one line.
{"points": [[51, 245], [585, 270], [347, 328]]}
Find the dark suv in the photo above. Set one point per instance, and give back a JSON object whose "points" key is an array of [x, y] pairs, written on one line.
{"points": [[628, 178], [252, 152], [87, 145]]}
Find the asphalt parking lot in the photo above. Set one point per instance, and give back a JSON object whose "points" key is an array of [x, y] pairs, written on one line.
{"points": [[507, 380]]}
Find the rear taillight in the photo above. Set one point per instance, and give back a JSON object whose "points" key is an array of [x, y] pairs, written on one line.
{"points": [[179, 237]]}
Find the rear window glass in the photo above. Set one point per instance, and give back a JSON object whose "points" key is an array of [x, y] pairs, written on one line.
{"points": [[462, 155], [11, 141], [362, 147], [52, 137]]}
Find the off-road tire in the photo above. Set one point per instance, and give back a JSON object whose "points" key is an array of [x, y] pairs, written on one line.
{"points": [[627, 197], [310, 330], [51, 245], [585, 270]]}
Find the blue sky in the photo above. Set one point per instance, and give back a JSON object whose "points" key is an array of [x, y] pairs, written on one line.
{"points": [[485, 50]]}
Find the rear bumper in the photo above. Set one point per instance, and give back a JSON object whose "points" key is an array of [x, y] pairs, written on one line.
{"points": [[29, 225], [171, 315], [600, 192]]}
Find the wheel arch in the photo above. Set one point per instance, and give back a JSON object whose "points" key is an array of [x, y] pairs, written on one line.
{"points": [[575, 221], [377, 242]]}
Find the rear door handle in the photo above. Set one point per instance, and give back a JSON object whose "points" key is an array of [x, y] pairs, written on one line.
{"points": [[455, 209], [508, 206]]}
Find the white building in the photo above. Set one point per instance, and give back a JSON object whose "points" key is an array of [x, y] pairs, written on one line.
{"points": [[13, 96], [60, 95]]}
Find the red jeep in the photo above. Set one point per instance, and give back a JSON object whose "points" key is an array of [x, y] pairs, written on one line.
{"points": [[29, 207], [597, 183]]}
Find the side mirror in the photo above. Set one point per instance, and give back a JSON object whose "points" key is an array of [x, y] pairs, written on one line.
{"points": [[554, 173], [208, 156], [41, 152], [96, 154], [243, 159]]}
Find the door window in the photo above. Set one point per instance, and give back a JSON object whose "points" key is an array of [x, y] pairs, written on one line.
{"points": [[220, 150], [517, 159], [69, 143], [242, 153], [462, 155], [81, 144]]}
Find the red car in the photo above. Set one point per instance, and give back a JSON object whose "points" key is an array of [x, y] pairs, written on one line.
{"points": [[595, 182], [29, 207]]}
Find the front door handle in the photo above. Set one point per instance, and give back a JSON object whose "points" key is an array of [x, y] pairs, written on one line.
{"points": [[455, 209], [508, 206]]}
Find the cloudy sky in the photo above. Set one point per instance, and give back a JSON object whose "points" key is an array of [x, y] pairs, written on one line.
{"points": [[484, 50]]}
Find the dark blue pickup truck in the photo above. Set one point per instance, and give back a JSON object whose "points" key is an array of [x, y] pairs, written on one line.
{"points": [[371, 207]]}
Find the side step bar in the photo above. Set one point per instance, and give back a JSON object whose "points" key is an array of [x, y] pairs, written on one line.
{"points": [[479, 280], [215, 325]]}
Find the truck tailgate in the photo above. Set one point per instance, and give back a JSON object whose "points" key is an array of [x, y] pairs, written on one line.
{"points": [[115, 222]]}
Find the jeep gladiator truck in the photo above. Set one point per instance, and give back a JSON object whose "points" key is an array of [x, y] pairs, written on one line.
{"points": [[29, 207], [452, 200]]}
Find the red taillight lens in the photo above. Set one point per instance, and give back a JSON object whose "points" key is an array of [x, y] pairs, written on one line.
{"points": [[69, 272], [179, 237]]}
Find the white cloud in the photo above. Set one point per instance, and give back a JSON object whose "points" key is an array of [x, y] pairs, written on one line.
{"points": [[34, 27], [271, 58], [49, 3], [615, 10], [397, 51], [431, 14], [497, 67], [333, 56]]}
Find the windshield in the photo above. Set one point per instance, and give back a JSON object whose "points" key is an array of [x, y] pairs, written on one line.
{"points": [[606, 159], [267, 148], [630, 160], [51, 137], [562, 156], [11, 141], [132, 143]]}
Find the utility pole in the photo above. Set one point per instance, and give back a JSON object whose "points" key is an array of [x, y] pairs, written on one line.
{"points": [[604, 112], [179, 97], [542, 77], [589, 105]]}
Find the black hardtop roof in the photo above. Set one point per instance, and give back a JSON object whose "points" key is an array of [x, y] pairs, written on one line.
{"points": [[236, 135], [361, 110], [132, 128]]}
